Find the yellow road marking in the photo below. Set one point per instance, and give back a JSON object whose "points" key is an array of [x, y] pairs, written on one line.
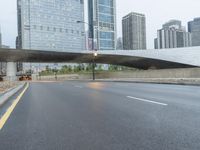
{"points": [[11, 108]]}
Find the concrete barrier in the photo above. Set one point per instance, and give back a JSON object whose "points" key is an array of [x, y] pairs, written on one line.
{"points": [[166, 73], [190, 75]]}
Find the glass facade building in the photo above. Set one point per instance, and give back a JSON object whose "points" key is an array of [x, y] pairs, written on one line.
{"points": [[102, 23], [51, 25], [194, 29], [2, 64]]}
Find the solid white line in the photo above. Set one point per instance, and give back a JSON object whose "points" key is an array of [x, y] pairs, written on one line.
{"points": [[146, 100]]}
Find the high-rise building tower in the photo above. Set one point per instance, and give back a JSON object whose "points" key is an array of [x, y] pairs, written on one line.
{"points": [[134, 31], [172, 24], [2, 64], [102, 24], [0, 38], [0, 47], [51, 25], [194, 29], [172, 35]]}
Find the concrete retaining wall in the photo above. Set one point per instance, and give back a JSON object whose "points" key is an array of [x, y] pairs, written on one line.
{"points": [[168, 73]]}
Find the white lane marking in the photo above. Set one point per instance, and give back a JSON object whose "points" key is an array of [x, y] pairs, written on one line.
{"points": [[77, 86], [146, 100]]}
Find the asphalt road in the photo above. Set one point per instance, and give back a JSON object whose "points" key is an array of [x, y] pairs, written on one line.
{"points": [[104, 116]]}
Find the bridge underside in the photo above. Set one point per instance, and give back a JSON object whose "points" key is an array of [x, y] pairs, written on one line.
{"points": [[35, 56]]}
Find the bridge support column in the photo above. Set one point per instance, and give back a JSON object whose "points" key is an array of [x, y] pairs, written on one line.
{"points": [[11, 71]]}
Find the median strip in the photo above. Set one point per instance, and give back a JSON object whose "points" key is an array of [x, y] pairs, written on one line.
{"points": [[146, 100], [11, 108]]}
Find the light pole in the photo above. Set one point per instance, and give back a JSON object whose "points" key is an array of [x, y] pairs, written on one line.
{"points": [[39, 70], [95, 53], [93, 65], [55, 71]]}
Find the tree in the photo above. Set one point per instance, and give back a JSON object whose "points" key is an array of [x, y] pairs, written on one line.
{"points": [[100, 67], [48, 69], [113, 68]]}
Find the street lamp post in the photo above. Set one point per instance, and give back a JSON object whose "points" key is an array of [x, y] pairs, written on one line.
{"points": [[94, 54], [55, 71], [93, 65]]}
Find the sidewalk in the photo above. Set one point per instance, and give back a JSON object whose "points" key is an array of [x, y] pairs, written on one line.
{"points": [[6, 86], [8, 90]]}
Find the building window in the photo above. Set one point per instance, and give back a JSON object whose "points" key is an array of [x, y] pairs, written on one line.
{"points": [[107, 35], [83, 33], [108, 3], [107, 44], [106, 18]]}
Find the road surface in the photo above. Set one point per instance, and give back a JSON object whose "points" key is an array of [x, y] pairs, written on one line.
{"points": [[104, 116]]}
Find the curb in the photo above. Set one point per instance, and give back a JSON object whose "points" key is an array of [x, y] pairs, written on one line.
{"points": [[167, 83], [139, 81], [6, 96], [151, 82]]}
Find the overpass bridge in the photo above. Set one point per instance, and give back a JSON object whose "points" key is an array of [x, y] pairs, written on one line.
{"points": [[142, 59]]}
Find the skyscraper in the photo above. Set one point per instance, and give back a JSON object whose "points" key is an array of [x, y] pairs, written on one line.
{"points": [[172, 35], [194, 29], [156, 43], [172, 24], [134, 31], [51, 25], [102, 24], [0, 47], [0, 38], [2, 64]]}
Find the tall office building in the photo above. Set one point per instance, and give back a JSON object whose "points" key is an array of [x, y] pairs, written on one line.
{"points": [[0, 38], [173, 24], [156, 43], [194, 29], [2, 64], [19, 64], [51, 25], [0, 47], [172, 35], [134, 31], [102, 24]]}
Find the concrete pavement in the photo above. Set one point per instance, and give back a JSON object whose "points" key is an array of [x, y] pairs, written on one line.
{"points": [[104, 116]]}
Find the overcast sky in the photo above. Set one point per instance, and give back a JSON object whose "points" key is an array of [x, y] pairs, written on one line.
{"points": [[157, 12]]}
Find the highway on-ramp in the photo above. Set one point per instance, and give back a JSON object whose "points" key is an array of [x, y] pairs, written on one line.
{"points": [[76, 115]]}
